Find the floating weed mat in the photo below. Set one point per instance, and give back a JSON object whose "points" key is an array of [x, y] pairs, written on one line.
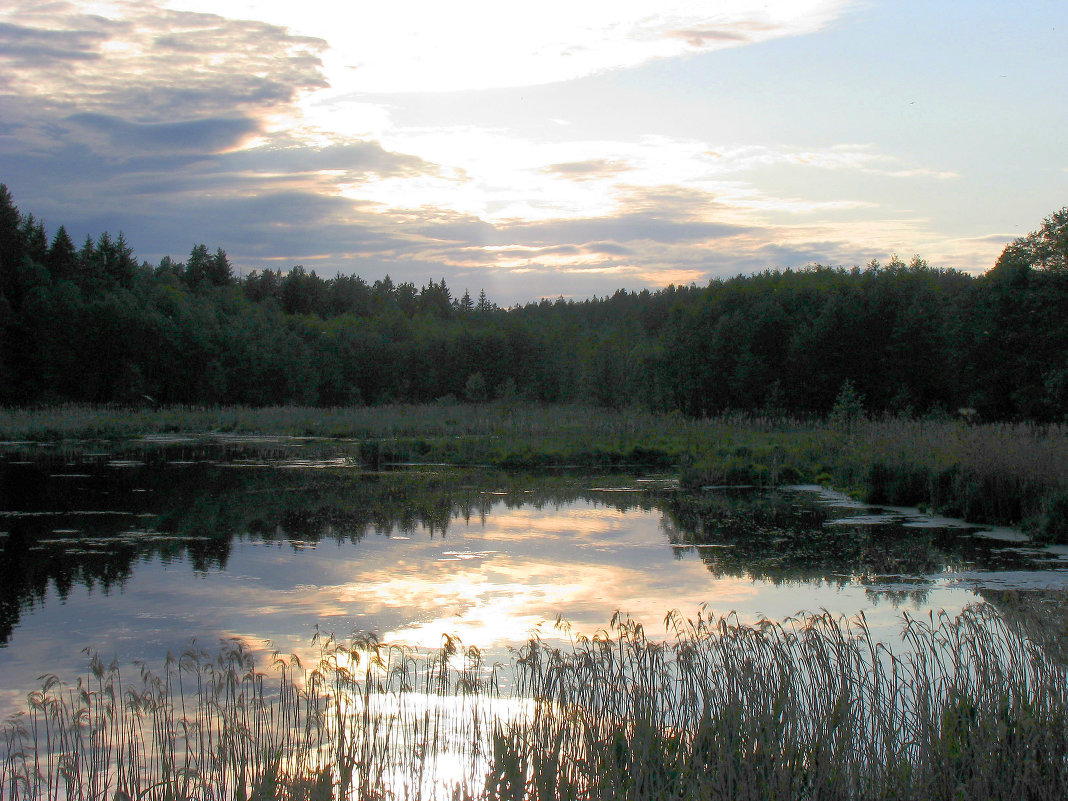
{"points": [[810, 707]]}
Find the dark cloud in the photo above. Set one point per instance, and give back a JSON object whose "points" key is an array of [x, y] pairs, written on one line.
{"points": [[279, 228], [608, 249], [560, 250], [200, 96], [627, 227], [201, 136], [459, 228], [353, 157], [26, 46], [165, 204]]}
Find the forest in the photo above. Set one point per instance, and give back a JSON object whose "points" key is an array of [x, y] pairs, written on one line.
{"points": [[92, 324]]}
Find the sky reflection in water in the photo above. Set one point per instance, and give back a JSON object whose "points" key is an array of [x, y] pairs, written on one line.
{"points": [[493, 578]]}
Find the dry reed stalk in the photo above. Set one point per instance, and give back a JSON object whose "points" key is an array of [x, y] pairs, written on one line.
{"points": [[810, 707]]}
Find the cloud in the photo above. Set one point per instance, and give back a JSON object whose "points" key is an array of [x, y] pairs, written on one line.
{"points": [[588, 170], [625, 227], [179, 125], [427, 46], [670, 215], [847, 156], [149, 64], [993, 239], [608, 248], [354, 159], [702, 38], [25, 47], [200, 136]]}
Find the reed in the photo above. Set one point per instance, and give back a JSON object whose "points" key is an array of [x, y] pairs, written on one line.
{"points": [[810, 707]]}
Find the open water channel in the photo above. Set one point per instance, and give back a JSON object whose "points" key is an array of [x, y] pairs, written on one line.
{"points": [[132, 551]]}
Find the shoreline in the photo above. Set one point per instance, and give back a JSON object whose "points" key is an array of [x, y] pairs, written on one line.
{"points": [[994, 473]]}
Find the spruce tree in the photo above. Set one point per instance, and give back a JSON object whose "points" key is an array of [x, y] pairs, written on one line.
{"points": [[35, 240], [62, 259], [11, 243], [219, 270]]}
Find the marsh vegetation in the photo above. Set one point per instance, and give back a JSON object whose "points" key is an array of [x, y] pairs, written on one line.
{"points": [[1004, 473], [809, 707]]}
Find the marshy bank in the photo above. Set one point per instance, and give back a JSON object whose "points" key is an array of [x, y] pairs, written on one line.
{"points": [[962, 707], [1000, 473]]}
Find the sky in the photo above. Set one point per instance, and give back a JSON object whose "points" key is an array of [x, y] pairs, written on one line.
{"points": [[539, 150]]}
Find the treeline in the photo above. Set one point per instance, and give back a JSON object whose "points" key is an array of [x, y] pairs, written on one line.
{"points": [[91, 324]]}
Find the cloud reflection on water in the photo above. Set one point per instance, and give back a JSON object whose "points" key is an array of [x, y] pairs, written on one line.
{"points": [[492, 579]]}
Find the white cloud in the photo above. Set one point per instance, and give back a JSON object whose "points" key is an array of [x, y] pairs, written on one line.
{"points": [[861, 157], [429, 46]]}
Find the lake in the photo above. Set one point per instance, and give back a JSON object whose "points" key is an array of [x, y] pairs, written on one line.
{"points": [[133, 550]]}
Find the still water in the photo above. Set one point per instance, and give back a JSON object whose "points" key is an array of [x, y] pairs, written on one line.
{"points": [[132, 555]]}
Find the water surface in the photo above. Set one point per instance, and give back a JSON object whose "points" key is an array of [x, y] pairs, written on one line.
{"points": [[133, 554]]}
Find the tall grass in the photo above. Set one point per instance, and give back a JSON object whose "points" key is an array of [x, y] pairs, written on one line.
{"points": [[999, 473], [810, 707], [214, 726]]}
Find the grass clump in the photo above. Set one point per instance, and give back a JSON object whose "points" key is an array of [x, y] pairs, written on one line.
{"points": [[807, 708]]}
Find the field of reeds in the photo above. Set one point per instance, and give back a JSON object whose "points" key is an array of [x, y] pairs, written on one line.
{"points": [[1003, 473], [807, 708]]}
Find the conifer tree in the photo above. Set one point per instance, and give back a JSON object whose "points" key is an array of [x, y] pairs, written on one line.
{"points": [[62, 259], [123, 266], [86, 262], [219, 271], [35, 241], [198, 267], [11, 243]]}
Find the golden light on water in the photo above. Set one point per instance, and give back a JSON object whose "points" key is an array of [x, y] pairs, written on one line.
{"points": [[493, 586]]}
